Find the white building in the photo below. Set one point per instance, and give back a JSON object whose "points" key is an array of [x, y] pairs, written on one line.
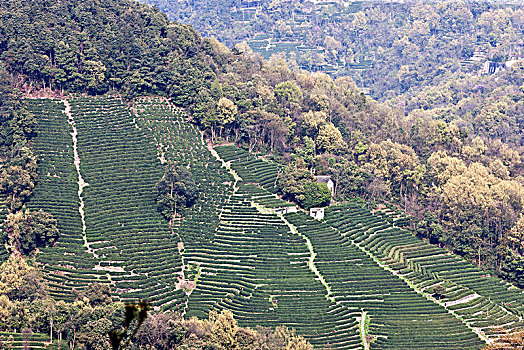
{"points": [[328, 181], [317, 213]]}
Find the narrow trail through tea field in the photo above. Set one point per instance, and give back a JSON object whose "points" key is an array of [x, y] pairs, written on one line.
{"points": [[81, 183]]}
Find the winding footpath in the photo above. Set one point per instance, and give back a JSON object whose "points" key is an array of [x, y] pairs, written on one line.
{"points": [[312, 255], [362, 327], [81, 183]]}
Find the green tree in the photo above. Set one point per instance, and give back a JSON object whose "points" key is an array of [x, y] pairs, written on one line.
{"points": [[314, 195], [288, 95], [97, 294], [31, 287], [16, 184], [439, 291], [227, 110], [176, 191], [299, 185], [12, 273], [28, 230], [329, 138]]}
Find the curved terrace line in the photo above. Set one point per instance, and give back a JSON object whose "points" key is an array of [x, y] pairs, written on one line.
{"points": [[312, 255]]}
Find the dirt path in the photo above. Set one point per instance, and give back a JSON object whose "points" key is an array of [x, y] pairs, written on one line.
{"points": [[463, 300], [362, 327], [312, 255], [81, 183]]}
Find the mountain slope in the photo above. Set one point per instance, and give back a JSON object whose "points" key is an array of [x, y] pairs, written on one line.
{"points": [[230, 251]]}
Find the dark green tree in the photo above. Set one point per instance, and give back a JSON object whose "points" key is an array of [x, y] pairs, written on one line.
{"points": [[439, 291], [176, 191], [297, 183], [29, 230], [314, 194], [97, 293]]}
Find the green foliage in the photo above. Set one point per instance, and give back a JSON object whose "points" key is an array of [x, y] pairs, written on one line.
{"points": [[299, 185], [16, 184], [288, 93], [176, 191], [450, 156], [13, 273], [226, 110], [17, 160], [513, 269], [72, 48], [135, 315], [16, 123], [314, 195], [439, 291], [32, 287], [97, 294], [107, 324], [329, 138], [390, 49], [30, 230]]}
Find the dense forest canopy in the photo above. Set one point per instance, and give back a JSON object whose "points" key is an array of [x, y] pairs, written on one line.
{"points": [[390, 48], [96, 46]]}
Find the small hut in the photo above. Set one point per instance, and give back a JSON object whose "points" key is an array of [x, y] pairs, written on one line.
{"points": [[328, 181], [317, 213]]}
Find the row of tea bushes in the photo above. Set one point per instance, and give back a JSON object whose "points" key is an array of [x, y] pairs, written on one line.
{"points": [[400, 317], [129, 236], [258, 269], [67, 265], [483, 301], [250, 168]]}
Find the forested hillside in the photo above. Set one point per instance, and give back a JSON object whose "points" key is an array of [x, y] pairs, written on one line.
{"points": [[121, 176], [388, 47], [445, 111]]}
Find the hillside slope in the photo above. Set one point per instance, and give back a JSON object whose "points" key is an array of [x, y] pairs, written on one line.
{"points": [[354, 281], [232, 250], [444, 154], [125, 241]]}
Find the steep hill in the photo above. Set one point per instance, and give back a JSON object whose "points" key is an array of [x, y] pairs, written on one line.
{"points": [[128, 97], [438, 163], [232, 250]]}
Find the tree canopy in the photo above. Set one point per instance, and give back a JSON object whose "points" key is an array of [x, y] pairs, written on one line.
{"points": [[176, 191], [299, 185]]}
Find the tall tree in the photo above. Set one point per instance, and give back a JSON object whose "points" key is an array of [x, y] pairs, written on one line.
{"points": [[176, 191]]}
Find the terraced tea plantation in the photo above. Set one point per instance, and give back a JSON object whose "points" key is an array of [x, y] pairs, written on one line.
{"points": [[354, 281], [34, 341], [125, 241], [484, 303]]}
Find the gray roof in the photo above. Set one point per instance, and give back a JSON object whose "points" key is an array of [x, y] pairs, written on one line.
{"points": [[323, 178]]}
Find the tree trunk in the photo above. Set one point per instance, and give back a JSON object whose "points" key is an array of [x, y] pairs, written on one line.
{"points": [[478, 252], [72, 342]]}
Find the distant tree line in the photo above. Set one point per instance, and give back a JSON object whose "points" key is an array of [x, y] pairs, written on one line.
{"points": [[402, 47]]}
